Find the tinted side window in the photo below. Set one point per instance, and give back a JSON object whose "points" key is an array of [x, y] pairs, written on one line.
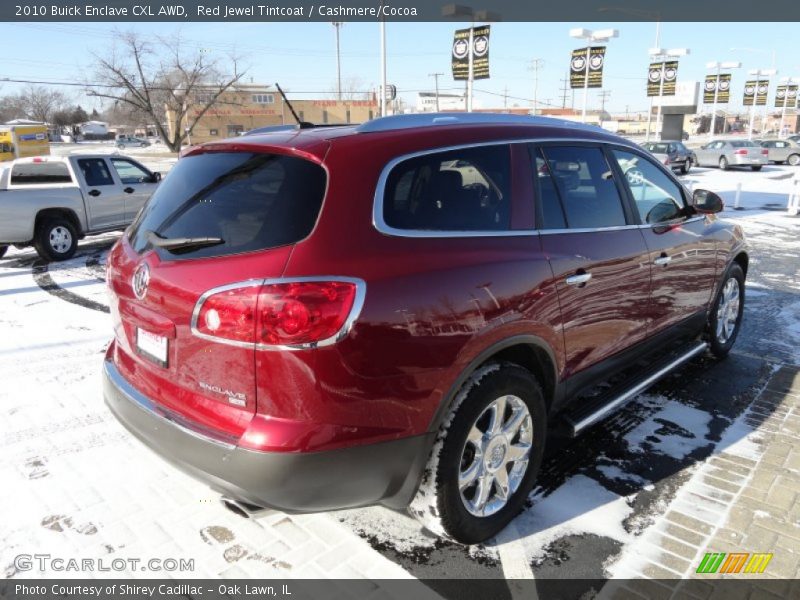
{"points": [[585, 183], [37, 173], [658, 199], [459, 190], [550, 213], [249, 201], [95, 172]]}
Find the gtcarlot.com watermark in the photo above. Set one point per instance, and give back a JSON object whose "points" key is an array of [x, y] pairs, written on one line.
{"points": [[48, 562]]}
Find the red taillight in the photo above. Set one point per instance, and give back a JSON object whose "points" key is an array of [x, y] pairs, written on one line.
{"points": [[765, 152], [740, 151], [303, 312], [230, 314], [275, 314]]}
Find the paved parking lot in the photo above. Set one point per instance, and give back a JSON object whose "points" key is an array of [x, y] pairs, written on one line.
{"points": [[705, 461]]}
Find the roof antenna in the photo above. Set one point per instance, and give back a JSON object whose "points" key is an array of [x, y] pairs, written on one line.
{"points": [[300, 124]]}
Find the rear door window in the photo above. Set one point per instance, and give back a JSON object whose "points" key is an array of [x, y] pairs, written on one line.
{"points": [[31, 173], [457, 190], [95, 172], [250, 201], [586, 187]]}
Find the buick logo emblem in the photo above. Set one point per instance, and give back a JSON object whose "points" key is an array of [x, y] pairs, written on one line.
{"points": [[141, 279]]}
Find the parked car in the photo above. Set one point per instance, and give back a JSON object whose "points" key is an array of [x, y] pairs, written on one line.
{"points": [[52, 202], [732, 153], [125, 141], [781, 151], [680, 158], [398, 312], [794, 138]]}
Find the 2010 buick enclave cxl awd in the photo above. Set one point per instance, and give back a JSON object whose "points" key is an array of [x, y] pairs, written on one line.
{"points": [[399, 312]]}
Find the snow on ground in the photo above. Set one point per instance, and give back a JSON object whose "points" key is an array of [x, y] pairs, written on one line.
{"points": [[81, 486]]}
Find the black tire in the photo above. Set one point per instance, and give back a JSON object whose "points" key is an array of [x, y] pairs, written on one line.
{"points": [[56, 239], [723, 163], [439, 504], [3, 250], [720, 345], [756, 167], [793, 159]]}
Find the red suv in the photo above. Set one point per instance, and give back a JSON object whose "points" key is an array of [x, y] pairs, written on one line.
{"points": [[399, 312]]}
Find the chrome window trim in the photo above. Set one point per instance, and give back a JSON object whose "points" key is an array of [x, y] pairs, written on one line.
{"points": [[379, 223], [620, 227], [143, 403], [355, 312]]}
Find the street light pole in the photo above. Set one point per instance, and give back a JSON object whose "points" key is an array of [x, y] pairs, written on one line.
{"points": [[718, 66], [789, 81], [383, 67], [536, 64], [337, 25], [663, 55], [600, 36], [758, 73]]}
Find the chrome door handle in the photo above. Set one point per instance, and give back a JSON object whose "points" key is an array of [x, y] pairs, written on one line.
{"points": [[662, 261], [579, 279]]}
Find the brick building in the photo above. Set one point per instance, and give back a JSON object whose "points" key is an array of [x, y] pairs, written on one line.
{"points": [[247, 106]]}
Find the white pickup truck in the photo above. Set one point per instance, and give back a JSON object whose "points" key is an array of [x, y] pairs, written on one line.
{"points": [[51, 202]]}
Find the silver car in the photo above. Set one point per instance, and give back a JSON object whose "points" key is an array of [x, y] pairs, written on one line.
{"points": [[732, 153], [781, 151]]}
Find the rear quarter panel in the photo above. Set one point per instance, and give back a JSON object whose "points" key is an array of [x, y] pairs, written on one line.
{"points": [[432, 306], [20, 205]]}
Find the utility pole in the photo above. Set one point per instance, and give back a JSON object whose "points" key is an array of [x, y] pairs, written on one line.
{"points": [[505, 98], [535, 65], [564, 90], [337, 25], [604, 95], [436, 84]]}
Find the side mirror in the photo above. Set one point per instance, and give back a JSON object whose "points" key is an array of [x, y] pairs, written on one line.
{"points": [[706, 202], [156, 177]]}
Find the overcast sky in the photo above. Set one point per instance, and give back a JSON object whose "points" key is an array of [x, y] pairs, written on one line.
{"points": [[302, 58]]}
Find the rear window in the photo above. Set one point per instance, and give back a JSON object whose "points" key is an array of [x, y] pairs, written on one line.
{"points": [[742, 144], [457, 190], [657, 148], [250, 201], [29, 173]]}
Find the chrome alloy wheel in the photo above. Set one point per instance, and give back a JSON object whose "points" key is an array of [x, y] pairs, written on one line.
{"points": [[495, 456], [60, 239], [728, 311]]}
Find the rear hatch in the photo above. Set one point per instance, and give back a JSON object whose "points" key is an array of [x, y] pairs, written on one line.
{"points": [[220, 223]]}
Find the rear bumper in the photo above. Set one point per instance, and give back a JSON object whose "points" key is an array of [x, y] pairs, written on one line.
{"points": [[386, 473], [748, 161]]}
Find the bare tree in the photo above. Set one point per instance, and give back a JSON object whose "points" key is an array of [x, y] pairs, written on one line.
{"points": [[352, 89], [162, 81], [41, 103], [12, 107]]}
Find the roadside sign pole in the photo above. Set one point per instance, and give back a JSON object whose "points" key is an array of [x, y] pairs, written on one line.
{"points": [[586, 83], [470, 63], [383, 67], [660, 101], [753, 107], [713, 125]]}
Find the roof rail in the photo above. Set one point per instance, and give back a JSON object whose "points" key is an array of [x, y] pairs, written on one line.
{"points": [[413, 120]]}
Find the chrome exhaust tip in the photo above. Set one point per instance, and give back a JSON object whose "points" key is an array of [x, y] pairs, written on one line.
{"points": [[244, 509]]}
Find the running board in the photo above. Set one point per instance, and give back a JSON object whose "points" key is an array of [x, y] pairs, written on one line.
{"points": [[598, 409]]}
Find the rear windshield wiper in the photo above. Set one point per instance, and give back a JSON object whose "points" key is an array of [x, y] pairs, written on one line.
{"points": [[182, 243]]}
